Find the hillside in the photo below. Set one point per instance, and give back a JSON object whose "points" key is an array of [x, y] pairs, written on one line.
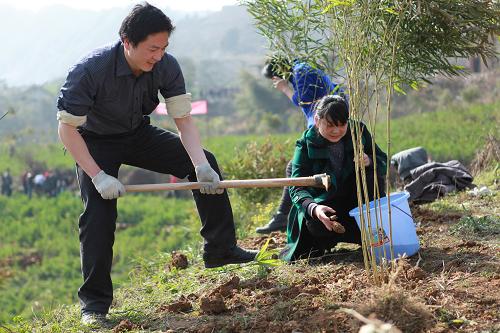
{"points": [[39, 255], [58, 36], [27, 146]]}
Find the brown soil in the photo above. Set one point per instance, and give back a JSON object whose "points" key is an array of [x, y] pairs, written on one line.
{"points": [[182, 305], [179, 260], [213, 304], [124, 326], [452, 285]]}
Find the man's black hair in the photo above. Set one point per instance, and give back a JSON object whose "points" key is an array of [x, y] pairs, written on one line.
{"points": [[142, 21], [333, 108]]}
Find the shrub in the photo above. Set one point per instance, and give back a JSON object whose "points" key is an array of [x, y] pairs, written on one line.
{"points": [[259, 160], [470, 94]]}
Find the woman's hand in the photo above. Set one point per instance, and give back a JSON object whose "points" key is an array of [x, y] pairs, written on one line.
{"points": [[327, 216], [366, 160]]}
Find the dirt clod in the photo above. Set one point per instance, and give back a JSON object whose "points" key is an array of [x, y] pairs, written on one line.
{"points": [[416, 273], [213, 304], [338, 228], [226, 289], [179, 260], [182, 305], [124, 326]]}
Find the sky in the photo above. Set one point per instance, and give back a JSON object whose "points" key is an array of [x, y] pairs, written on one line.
{"points": [[180, 5]]}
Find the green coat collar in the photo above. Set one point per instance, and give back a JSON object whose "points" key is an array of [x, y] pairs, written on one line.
{"points": [[317, 149]]}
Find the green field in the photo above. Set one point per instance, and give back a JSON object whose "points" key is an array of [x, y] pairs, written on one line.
{"points": [[39, 247], [39, 250], [456, 133]]}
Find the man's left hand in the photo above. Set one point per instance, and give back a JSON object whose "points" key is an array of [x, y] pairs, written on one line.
{"points": [[205, 173]]}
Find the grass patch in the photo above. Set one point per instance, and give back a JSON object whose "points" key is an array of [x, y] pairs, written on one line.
{"points": [[488, 177], [433, 130], [405, 313], [470, 226], [446, 206]]}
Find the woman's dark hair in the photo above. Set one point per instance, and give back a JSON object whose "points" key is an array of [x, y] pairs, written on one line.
{"points": [[333, 108], [143, 21], [277, 66]]}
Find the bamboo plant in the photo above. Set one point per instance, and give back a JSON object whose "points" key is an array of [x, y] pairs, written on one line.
{"points": [[376, 48]]}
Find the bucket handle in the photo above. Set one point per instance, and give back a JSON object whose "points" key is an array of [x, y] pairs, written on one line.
{"points": [[411, 217]]}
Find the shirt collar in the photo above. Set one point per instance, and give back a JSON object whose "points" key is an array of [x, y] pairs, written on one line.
{"points": [[122, 66]]}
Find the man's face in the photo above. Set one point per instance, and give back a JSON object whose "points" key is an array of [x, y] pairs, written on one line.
{"points": [[147, 53]]}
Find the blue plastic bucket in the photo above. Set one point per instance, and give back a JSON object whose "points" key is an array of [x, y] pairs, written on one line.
{"points": [[404, 234]]}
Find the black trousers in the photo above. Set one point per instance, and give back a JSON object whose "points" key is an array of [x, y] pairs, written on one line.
{"points": [[342, 202], [150, 148]]}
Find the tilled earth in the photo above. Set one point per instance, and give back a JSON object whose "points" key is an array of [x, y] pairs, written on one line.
{"points": [[452, 285]]}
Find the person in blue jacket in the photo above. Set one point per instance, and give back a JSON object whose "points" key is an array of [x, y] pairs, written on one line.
{"points": [[304, 85]]}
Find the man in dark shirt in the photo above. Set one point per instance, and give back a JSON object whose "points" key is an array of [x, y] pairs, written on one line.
{"points": [[103, 122]]}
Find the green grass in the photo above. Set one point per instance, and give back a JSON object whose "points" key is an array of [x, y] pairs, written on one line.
{"points": [[47, 228], [471, 226], [456, 133], [490, 175]]}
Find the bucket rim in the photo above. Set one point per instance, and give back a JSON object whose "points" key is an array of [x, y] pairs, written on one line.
{"points": [[399, 197]]}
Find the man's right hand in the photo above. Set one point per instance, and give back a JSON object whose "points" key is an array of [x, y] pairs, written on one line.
{"points": [[108, 186]]}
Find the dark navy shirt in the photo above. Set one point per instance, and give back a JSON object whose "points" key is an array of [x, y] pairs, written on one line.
{"points": [[115, 101]]}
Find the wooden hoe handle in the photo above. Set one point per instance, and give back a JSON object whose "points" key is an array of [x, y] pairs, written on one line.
{"points": [[321, 180]]}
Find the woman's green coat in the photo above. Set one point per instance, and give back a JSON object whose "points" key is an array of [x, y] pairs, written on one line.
{"points": [[311, 157]]}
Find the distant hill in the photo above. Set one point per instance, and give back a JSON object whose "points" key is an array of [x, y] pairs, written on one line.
{"points": [[213, 49], [217, 45]]}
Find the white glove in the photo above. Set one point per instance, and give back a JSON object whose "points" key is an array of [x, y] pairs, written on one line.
{"points": [[205, 173], [108, 186]]}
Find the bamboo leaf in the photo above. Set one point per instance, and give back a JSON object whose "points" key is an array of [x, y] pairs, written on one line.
{"points": [[399, 89], [415, 85], [262, 251], [390, 11]]}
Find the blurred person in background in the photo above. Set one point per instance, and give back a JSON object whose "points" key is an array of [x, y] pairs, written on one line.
{"points": [[27, 181], [7, 183]]}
